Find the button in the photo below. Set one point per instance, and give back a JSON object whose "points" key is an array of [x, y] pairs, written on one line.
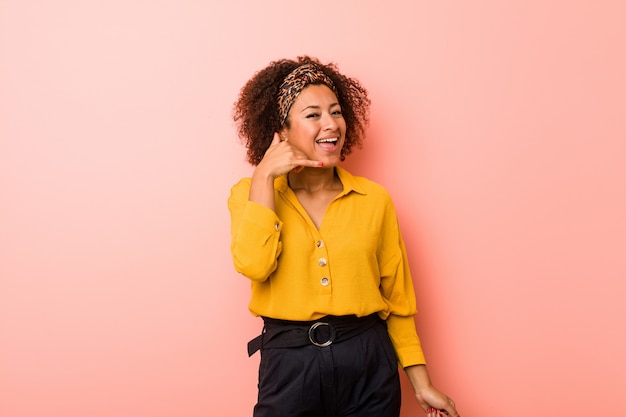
{"points": [[277, 226], [324, 281], [319, 244], [321, 262]]}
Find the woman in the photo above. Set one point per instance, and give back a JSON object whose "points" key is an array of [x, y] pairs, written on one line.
{"points": [[324, 253]]}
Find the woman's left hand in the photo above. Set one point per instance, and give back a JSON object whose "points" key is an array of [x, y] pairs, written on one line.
{"points": [[434, 402]]}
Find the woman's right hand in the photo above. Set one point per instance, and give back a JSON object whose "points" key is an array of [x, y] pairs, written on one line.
{"points": [[282, 157]]}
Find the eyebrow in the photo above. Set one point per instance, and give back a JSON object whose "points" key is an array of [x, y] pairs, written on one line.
{"points": [[316, 107]]}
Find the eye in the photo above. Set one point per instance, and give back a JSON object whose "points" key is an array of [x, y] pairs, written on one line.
{"points": [[312, 115], [337, 112]]}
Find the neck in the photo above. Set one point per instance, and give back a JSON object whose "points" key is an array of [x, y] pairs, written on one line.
{"points": [[313, 179]]}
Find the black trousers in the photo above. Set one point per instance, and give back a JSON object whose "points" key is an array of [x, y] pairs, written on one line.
{"points": [[357, 377]]}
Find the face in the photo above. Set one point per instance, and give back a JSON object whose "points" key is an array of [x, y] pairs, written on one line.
{"points": [[316, 125]]}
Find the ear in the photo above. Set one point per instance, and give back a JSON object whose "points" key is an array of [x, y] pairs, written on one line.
{"points": [[283, 133]]}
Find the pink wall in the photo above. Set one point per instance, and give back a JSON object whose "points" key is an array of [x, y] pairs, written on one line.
{"points": [[498, 127]]}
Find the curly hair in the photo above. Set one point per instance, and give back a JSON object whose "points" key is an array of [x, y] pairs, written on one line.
{"points": [[256, 110]]}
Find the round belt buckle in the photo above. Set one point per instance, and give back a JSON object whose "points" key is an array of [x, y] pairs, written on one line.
{"points": [[312, 331]]}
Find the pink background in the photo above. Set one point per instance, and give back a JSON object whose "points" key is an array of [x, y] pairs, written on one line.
{"points": [[498, 127]]}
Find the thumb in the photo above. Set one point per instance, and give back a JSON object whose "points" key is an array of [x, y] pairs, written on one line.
{"points": [[275, 139]]}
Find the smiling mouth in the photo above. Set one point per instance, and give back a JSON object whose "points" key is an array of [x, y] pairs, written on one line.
{"points": [[328, 140]]}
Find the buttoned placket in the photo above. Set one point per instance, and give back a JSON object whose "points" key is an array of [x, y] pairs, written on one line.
{"points": [[322, 263]]}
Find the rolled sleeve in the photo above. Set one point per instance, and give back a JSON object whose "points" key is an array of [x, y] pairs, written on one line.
{"points": [[256, 232], [397, 290]]}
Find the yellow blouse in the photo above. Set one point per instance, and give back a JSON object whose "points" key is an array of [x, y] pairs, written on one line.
{"points": [[355, 263]]}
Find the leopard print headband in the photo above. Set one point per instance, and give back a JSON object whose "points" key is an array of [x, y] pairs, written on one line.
{"points": [[295, 82]]}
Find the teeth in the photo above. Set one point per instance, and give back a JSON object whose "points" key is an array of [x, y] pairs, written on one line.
{"points": [[330, 140]]}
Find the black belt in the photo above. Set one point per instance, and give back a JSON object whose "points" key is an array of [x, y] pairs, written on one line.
{"points": [[321, 333]]}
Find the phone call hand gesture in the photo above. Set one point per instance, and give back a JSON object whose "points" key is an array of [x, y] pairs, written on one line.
{"points": [[282, 157]]}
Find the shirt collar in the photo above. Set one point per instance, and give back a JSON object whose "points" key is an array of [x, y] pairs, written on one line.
{"points": [[348, 180]]}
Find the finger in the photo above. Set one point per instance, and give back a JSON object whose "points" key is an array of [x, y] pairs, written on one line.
{"points": [[303, 163], [450, 410], [300, 165]]}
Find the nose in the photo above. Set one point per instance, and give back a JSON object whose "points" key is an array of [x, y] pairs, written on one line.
{"points": [[329, 122]]}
